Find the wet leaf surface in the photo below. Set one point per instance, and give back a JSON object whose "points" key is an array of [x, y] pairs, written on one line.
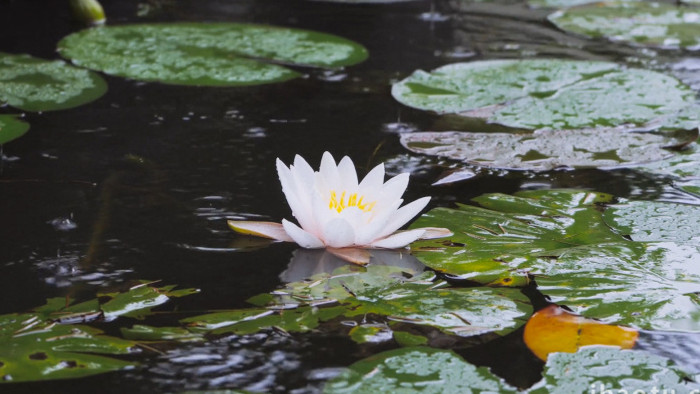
{"points": [[211, 54], [407, 339], [33, 84], [605, 368], [560, 238], [643, 285], [547, 149], [55, 351], [646, 221], [420, 369], [371, 333], [511, 230], [683, 168], [54, 342], [382, 290], [11, 128], [556, 94], [248, 321], [33, 347], [139, 332], [139, 300], [636, 22], [416, 369], [378, 290]]}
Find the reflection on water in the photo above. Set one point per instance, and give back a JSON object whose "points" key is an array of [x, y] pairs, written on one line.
{"points": [[269, 362], [263, 362], [306, 263]]}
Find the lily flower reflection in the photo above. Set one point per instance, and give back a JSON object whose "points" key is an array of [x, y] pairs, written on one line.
{"points": [[336, 211], [306, 263]]}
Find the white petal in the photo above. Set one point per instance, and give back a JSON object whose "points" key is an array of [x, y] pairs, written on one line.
{"points": [[338, 233], [393, 188], [354, 216], [297, 196], [435, 232], [404, 214], [352, 255], [348, 175], [372, 230], [270, 230], [321, 186], [303, 180], [399, 240], [284, 174], [303, 176], [327, 160], [373, 180], [288, 185], [303, 238], [301, 165], [329, 171], [322, 214]]}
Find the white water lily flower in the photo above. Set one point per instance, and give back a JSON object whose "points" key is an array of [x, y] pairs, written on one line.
{"points": [[334, 210]]}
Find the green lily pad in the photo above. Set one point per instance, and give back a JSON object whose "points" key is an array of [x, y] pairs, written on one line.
{"points": [[561, 239], [419, 300], [375, 289], [343, 283], [463, 312], [371, 333], [648, 221], [33, 84], [644, 285], [416, 369], [210, 54], [641, 23], [248, 321], [599, 369], [11, 128], [549, 93], [547, 149], [136, 302], [688, 118], [683, 167], [509, 230], [407, 339], [53, 342], [139, 300], [35, 347], [592, 369], [141, 332]]}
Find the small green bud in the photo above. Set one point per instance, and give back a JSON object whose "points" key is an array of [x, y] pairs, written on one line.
{"points": [[88, 11]]}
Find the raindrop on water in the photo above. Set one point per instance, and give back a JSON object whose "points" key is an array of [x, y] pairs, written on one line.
{"points": [[63, 224]]}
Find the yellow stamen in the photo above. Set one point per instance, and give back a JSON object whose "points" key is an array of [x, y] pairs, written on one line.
{"points": [[353, 200]]}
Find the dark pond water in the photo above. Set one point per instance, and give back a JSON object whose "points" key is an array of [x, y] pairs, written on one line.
{"points": [[139, 184]]}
